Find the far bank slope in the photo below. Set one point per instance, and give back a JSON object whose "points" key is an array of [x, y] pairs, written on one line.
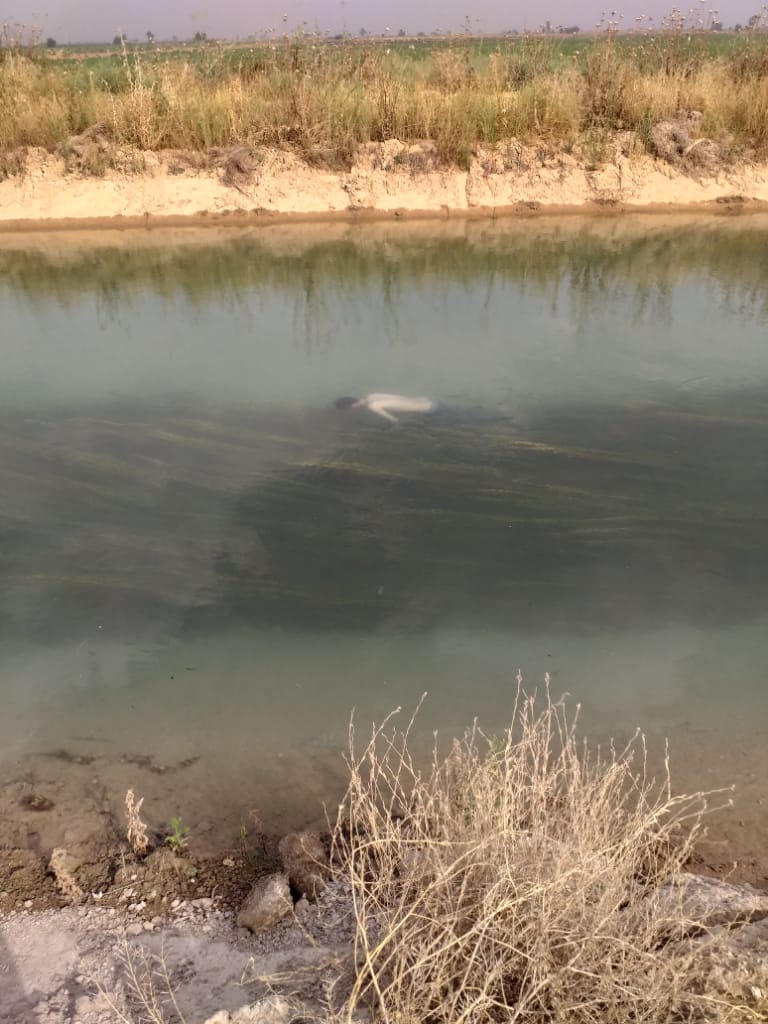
{"points": [[387, 179]]}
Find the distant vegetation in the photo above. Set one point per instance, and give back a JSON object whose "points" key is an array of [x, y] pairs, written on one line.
{"points": [[324, 97]]}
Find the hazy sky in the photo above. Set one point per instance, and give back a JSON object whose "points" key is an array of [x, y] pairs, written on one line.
{"points": [[98, 20]]}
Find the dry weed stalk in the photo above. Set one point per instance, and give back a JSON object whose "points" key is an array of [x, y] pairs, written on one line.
{"points": [[149, 988], [521, 879], [136, 829]]}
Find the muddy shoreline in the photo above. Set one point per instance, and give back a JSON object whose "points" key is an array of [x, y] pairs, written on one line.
{"points": [[70, 800], [723, 206], [74, 926]]}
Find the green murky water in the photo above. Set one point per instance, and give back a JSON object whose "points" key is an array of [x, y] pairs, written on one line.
{"points": [[200, 557]]}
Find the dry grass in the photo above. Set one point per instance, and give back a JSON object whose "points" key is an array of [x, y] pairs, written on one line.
{"points": [[136, 829], [324, 99], [521, 879]]}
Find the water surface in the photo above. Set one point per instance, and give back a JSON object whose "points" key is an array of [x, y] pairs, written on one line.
{"points": [[205, 564]]}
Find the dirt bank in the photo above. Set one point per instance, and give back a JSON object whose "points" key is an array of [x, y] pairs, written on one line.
{"points": [[187, 961], [386, 180], [95, 965]]}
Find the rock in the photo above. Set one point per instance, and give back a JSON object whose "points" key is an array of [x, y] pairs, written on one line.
{"points": [[728, 926], [710, 902], [738, 964], [305, 861], [272, 1010], [267, 903]]}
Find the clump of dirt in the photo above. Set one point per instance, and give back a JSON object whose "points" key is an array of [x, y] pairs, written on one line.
{"points": [[423, 158], [152, 885], [677, 141], [110, 876], [13, 163], [36, 802], [179, 161], [93, 859], [417, 158], [239, 164], [90, 152], [24, 882], [94, 152]]}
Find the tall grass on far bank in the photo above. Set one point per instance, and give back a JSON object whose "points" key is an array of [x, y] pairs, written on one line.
{"points": [[521, 879], [323, 98]]}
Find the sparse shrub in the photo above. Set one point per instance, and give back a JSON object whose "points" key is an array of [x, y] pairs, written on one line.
{"points": [[178, 837], [520, 879]]}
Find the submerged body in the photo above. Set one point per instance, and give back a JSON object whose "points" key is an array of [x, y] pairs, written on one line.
{"points": [[387, 405]]}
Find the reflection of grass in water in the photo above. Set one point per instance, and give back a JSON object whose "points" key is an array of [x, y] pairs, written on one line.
{"points": [[597, 269], [166, 510]]}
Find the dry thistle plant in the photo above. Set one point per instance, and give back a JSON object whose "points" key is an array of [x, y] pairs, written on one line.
{"points": [[136, 829], [521, 879]]}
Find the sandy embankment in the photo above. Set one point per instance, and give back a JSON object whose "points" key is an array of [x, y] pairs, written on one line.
{"points": [[388, 179]]}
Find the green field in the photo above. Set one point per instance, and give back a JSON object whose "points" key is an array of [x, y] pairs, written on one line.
{"points": [[557, 52]]}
